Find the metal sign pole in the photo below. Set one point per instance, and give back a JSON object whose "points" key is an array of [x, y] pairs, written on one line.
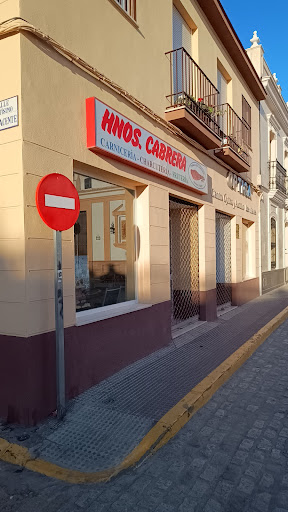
{"points": [[58, 205], [59, 324]]}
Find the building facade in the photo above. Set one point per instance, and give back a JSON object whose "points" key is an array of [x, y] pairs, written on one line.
{"points": [[153, 113], [273, 174]]}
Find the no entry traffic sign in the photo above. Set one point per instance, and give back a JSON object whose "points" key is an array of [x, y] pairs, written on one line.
{"points": [[57, 202], [58, 205]]}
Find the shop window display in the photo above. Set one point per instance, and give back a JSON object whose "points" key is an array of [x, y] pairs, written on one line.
{"points": [[104, 244]]}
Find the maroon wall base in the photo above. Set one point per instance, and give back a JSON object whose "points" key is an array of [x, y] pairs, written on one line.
{"points": [[241, 293], [208, 308], [93, 352], [245, 291]]}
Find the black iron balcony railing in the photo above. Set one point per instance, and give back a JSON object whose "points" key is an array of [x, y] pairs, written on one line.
{"points": [[235, 131], [190, 87], [277, 179]]}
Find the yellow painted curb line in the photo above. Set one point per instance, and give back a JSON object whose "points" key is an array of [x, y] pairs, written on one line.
{"points": [[165, 428]]}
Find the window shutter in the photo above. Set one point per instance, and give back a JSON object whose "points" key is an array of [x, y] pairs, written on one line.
{"points": [[246, 118], [182, 34], [222, 87]]}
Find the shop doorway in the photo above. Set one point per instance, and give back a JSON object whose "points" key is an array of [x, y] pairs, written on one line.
{"points": [[184, 262], [223, 260]]}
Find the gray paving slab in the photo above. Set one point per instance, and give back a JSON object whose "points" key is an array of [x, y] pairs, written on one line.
{"points": [[107, 421], [232, 455]]}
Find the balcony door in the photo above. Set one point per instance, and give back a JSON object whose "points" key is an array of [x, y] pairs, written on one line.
{"points": [[182, 38], [182, 33], [222, 88], [273, 244], [223, 259], [272, 147]]}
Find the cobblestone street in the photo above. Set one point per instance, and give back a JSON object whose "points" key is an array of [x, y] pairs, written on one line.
{"points": [[143, 256], [231, 456]]}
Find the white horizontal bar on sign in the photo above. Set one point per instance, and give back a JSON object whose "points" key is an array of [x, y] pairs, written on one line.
{"points": [[68, 203]]}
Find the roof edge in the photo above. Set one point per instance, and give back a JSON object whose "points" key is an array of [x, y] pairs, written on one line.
{"points": [[223, 27]]}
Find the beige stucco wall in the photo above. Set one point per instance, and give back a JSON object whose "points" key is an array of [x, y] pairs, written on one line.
{"points": [[129, 55], [12, 247], [53, 133], [207, 52], [37, 162], [137, 53], [9, 9]]}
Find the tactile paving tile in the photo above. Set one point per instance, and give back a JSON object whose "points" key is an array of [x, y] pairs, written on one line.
{"points": [[107, 421], [94, 438]]}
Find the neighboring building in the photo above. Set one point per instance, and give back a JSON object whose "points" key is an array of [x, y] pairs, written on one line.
{"points": [[273, 174], [165, 162]]}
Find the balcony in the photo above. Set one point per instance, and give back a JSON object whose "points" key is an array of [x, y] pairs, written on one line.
{"points": [[194, 108], [277, 177], [236, 139], [192, 100]]}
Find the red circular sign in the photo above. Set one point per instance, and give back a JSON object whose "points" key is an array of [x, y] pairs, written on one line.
{"points": [[57, 202]]}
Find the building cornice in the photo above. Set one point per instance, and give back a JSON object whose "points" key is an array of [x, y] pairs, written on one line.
{"points": [[278, 197], [220, 22], [273, 122], [18, 25], [276, 102]]}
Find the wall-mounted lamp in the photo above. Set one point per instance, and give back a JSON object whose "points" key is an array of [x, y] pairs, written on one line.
{"points": [[112, 228]]}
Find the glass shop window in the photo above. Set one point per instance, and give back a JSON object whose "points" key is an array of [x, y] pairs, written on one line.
{"points": [[104, 244]]}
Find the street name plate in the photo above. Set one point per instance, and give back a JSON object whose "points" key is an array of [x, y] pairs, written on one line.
{"points": [[9, 113]]}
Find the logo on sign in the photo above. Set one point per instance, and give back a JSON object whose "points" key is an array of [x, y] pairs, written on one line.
{"points": [[236, 183], [197, 176]]}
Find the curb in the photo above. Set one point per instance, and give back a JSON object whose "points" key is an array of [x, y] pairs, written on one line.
{"points": [[164, 430]]}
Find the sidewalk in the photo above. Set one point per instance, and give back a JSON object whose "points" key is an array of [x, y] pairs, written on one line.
{"points": [[104, 424]]}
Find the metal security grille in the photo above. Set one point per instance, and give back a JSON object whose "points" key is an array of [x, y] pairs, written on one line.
{"points": [[184, 260], [223, 259]]}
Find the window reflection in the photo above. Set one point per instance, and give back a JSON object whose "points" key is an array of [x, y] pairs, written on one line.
{"points": [[104, 246]]}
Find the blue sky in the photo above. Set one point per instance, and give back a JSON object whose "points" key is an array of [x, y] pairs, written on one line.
{"points": [[270, 21]]}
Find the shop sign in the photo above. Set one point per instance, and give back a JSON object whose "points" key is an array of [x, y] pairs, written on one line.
{"points": [[8, 113], [114, 135], [232, 202], [236, 183]]}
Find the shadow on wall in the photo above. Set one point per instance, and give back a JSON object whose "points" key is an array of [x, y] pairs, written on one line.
{"points": [[93, 352]]}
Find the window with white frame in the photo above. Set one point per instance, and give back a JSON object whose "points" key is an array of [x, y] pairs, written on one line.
{"points": [[129, 6]]}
